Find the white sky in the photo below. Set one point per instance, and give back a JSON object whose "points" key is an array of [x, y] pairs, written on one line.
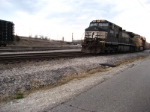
{"points": [[60, 18]]}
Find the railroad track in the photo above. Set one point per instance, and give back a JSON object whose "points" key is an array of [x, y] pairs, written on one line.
{"points": [[32, 56], [46, 55], [22, 49]]}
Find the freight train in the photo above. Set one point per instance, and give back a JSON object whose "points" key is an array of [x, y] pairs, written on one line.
{"points": [[6, 32], [104, 36]]}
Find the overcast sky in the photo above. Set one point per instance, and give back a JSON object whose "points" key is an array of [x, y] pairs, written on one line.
{"points": [[60, 18]]}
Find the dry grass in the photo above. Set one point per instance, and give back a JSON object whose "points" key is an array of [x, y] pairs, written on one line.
{"points": [[89, 73], [130, 60], [31, 42]]}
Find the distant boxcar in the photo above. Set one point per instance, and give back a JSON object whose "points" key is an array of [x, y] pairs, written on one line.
{"points": [[6, 32]]}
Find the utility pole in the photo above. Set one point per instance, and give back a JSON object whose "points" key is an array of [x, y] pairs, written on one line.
{"points": [[72, 37], [63, 39]]}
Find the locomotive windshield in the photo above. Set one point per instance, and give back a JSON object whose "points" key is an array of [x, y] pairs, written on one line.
{"points": [[102, 25], [94, 24]]}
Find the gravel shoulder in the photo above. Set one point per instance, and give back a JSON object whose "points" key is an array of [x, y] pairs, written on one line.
{"points": [[24, 77]]}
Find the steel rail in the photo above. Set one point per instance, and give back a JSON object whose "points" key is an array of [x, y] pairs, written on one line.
{"points": [[22, 56], [22, 50]]}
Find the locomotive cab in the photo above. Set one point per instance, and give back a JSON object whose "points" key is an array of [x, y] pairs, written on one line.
{"points": [[96, 36], [97, 30]]}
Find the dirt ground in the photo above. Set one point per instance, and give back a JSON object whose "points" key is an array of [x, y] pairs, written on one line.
{"points": [[31, 41]]}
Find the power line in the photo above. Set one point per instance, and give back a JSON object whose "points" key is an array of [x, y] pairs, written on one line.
{"points": [[143, 5]]}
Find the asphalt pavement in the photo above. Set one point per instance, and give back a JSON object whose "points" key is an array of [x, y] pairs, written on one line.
{"points": [[128, 91]]}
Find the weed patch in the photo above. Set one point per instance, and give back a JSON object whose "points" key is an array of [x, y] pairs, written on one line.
{"points": [[19, 96]]}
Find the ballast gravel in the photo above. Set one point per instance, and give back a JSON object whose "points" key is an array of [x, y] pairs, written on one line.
{"points": [[27, 76]]}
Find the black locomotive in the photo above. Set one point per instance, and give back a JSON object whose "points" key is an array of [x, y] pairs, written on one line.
{"points": [[104, 36]]}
